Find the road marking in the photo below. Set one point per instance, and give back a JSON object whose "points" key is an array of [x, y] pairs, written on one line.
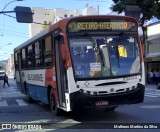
{"points": [[152, 93], [151, 96], [3, 103], [12, 93], [21, 102], [150, 106]]}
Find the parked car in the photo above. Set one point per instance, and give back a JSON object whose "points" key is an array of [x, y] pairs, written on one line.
{"points": [[2, 75]]}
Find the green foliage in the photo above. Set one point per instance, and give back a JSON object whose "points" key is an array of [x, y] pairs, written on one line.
{"points": [[149, 8]]}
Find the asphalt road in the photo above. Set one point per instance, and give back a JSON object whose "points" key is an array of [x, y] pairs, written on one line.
{"points": [[15, 109]]}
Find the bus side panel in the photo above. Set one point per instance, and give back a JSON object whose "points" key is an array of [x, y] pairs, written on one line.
{"points": [[50, 78], [35, 80], [38, 93]]}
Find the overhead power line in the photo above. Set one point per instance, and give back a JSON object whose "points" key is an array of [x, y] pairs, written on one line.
{"points": [[95, 1], [13, 31], [15, 35], [15, 28]]}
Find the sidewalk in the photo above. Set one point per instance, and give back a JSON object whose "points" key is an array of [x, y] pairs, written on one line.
{"points": [[151, 86]]}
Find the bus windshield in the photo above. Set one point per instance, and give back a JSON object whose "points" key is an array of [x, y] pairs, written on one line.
{"points": [[104, 56]]}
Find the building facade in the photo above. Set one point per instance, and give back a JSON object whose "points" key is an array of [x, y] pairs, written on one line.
{"points": [[152, 48], [50, 16], [10, 69]]}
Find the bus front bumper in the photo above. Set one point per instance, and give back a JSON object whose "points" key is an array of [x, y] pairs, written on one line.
{"points": [[79, 99]]}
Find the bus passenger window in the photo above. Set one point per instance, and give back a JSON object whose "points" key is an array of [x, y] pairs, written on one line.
{"points": [[38, 54], [23, 53], [47, 52], [30, 57]]}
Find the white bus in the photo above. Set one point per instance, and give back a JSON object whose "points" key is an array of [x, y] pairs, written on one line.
{"points": [[84, 61]]}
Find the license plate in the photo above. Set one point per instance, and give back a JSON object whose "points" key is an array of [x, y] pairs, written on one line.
{"points": [[101, 103]]}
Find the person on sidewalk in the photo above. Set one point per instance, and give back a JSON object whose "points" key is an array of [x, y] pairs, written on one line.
{"points": [[157, 75], [151, 76], [5, 79]]}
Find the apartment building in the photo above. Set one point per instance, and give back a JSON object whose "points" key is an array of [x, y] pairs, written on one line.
{"points": [[10, 66], [152, 48], [50, 16]]}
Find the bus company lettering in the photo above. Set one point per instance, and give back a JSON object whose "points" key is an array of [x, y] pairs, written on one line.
{"points": [[101, 25], [35, 77], [130, 78]]}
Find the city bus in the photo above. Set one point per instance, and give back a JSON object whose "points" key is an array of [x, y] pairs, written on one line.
{"points": [[93, 62]]}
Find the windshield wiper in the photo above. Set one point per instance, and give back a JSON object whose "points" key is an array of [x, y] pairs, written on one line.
{"points": [[117, 55], [96, 47], [121, 33], [91, 39]]}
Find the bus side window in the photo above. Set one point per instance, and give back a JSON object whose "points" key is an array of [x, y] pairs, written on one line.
{"points": [[38, 55], [47, 58], [30, 57], [23, 54]]}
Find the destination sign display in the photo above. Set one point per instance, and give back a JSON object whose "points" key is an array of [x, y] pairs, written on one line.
{"points": [[101, 25]]}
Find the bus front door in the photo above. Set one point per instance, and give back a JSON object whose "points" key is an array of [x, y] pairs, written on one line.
{"points": [[60, 72], [20, 74]]}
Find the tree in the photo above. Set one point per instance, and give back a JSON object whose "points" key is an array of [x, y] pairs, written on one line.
{"points": [[149, 8]]}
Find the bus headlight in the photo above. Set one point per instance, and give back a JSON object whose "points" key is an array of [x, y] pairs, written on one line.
{"points": [[88, 92], [94, 93]]}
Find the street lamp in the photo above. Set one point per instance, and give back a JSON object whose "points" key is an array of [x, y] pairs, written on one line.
{"points": [[23, 14], [10, 3], [1, 46]]}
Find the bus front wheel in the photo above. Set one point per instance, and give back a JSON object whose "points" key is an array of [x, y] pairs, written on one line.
{"points": [[110, 108], [53, 106]]}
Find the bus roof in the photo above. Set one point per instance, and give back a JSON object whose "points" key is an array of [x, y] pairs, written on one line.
{"points": [[65, 21], [44, 32]]}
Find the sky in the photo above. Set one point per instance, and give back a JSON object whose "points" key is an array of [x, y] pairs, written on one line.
{"points": [[12, 33]]}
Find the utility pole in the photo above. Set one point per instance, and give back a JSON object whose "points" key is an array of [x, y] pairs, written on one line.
{"points": [[98, 9]]}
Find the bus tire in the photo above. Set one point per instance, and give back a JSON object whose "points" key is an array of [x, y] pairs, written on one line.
{"points": [[52, 102], [111, 108], [29, 99]]}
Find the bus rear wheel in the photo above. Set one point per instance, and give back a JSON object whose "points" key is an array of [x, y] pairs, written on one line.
{"points": [[53, 106], [29, 99]]}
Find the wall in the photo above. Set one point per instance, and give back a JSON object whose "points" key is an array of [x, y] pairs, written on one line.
{"points": [[152, 48]]}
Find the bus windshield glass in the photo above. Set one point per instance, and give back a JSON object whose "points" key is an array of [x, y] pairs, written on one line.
{"points": [[104, 56]]}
